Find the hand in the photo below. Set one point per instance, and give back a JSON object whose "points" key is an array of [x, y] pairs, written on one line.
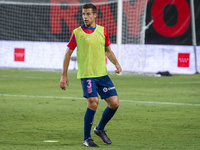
{"points": [[119, 69], [63, 82]]}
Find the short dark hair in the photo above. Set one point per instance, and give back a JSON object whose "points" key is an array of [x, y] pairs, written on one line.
{"points": [[87, 6]]}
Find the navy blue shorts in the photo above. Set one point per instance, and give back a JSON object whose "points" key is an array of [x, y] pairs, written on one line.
{"points": [[101, 85]]}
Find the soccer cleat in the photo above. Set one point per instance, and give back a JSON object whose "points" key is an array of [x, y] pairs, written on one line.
{"points": [[102, 135], [89, 143]]}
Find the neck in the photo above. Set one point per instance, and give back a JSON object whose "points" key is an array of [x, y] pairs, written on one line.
{"points": [[90, 26]]}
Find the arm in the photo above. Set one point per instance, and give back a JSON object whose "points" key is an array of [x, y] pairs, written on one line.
{"points": [[113, 59], [64, 79]]}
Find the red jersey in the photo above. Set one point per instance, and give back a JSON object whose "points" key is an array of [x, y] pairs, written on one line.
{"points": [[72, 43]]}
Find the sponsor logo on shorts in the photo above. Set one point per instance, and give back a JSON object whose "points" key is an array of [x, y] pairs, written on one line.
{"points": [[107, 89]]}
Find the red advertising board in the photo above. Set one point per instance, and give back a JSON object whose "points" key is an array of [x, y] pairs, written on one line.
{"points": [[19, 54], [183, 59]]}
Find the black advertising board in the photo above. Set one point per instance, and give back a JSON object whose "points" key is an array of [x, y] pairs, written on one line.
{"points": [[172, 22]]}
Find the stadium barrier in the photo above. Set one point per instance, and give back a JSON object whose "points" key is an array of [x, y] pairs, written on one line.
{"points": [[176, 59]]}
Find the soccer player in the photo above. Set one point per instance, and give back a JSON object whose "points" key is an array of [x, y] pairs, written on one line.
{"points": [[92, 42]]}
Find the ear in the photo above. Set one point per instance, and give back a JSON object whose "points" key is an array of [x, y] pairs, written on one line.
{"points": [[95, 15]]}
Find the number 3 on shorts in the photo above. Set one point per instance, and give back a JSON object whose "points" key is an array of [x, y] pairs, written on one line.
{"points": [[89, 84]]}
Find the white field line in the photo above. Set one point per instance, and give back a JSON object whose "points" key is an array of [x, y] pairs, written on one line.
{"points": [[132, 101], [184, 82], [165, 103], [33, 96]]}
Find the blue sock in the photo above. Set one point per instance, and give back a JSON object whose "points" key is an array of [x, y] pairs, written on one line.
{"points": [[88, 121], [106, 116]]}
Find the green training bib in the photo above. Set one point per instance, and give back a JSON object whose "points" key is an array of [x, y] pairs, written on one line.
{"points": [[90, 53]]}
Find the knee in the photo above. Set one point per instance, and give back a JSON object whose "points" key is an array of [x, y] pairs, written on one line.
{"points": [[113, 102], [92, 103], [114, 105]]}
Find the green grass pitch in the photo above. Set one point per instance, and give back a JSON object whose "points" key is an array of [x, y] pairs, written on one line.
{"points": [[155, 113]]}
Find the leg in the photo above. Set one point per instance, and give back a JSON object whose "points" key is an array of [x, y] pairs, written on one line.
{"points": [[92, 104], [113, 104], [90, 93]]}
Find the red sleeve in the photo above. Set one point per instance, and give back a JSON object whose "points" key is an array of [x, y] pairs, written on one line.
{"points": [[107, 38], [72, 42]]}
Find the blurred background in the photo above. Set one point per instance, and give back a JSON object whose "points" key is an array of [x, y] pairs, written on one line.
{"points": [[150, 36]]}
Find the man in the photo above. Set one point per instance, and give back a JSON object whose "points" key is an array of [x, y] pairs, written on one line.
{"points": [[92, 43]]}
